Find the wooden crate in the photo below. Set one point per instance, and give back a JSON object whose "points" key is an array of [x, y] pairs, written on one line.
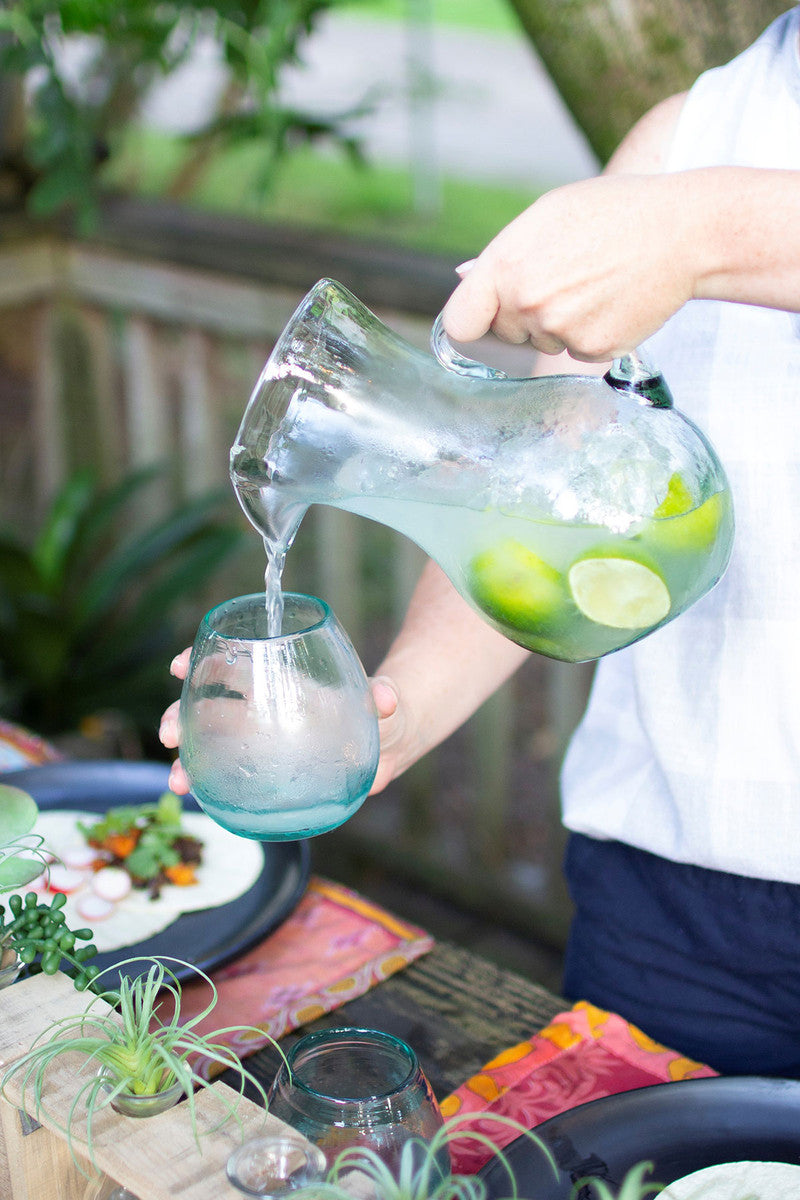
{"points": [[157, 1158]]}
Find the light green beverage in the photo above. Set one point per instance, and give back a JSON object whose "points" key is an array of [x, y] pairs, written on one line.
{"points": [[570, 590]]}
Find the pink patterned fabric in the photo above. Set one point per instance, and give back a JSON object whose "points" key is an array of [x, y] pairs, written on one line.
{"points": [[334, 946], [582, 1055]]}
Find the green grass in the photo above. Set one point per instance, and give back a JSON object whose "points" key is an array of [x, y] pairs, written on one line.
{"points": [[494, 16], [324, 191]]}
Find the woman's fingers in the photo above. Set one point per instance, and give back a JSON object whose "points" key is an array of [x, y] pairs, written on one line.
{"points": [[180, 663], [384, 694], [178, 782], [169, 729]]}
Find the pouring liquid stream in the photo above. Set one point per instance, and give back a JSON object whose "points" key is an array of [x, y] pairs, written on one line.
{"points": [[277, 524]]}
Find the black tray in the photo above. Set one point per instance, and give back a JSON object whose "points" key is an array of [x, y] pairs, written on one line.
{"points": [[206, 942], [679, 1127]]}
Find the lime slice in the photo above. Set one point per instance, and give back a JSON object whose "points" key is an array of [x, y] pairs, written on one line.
{"points": [[619, 591], [515, 586], [692, 531], [677, 500]]}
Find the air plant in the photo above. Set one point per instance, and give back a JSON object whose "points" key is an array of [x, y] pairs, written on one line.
{"points": [[419, 1175], [134, 1046], [634, 1186]]}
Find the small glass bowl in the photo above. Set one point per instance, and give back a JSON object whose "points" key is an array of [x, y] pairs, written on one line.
{"points": [[275, 1166], [131, 1105], [10, 964]]}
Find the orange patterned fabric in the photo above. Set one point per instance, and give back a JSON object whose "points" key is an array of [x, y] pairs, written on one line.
{"points": [[335, 946], [583, 1054]]}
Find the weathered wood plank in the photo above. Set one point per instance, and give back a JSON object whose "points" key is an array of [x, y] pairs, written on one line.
{"points": [[456, 1009], [158, 1158]]}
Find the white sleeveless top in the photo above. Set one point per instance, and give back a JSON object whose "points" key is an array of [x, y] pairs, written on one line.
{"points": [[690, 747]]}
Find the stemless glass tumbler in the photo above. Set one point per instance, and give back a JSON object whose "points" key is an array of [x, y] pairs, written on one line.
{"points": [[279, 734], [360, 1088]]}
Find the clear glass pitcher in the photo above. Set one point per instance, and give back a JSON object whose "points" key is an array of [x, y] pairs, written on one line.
{"points": [[575, 513]]}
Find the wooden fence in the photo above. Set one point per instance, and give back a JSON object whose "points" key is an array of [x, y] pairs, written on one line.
{"points": [[142, 344]]}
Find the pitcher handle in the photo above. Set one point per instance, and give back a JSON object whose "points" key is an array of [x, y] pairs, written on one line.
{"points": [[630, 373], [444, 350], [633, 373]]}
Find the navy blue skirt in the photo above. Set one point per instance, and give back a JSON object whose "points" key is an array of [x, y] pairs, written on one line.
{"points": [[704, 962]]}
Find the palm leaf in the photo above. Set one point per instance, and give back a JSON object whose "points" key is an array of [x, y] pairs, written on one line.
{"points": [[199, 560], [61, 526], [145, 630], [18, 575], [144, 552], [97, 524]]}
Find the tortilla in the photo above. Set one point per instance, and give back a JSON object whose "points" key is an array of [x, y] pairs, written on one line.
{"points": [[230, 866], [746, 1180]]}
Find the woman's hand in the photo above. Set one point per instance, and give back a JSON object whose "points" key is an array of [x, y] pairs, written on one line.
{"points": [[593, 268], [391, 725], [390, 718]]}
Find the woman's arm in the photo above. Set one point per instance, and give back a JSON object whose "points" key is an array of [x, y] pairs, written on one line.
{"points": [[446, 660]]}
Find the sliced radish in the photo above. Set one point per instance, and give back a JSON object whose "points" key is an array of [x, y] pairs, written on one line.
{"points": [[112, 883], [78, 858], [38, 885], [64, 879], [92, 907]]}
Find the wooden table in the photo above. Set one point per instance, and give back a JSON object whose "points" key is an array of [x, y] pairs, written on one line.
{"points": [[455, 1009]]}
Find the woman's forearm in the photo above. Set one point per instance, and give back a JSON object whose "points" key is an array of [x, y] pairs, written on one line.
{"points": [[750, 227], [443, 664]]}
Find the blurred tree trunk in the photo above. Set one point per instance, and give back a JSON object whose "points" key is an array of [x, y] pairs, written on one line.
{"points": [[611, 60], [15, 175]]}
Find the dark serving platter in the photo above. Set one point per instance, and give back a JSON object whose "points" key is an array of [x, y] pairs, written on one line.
{"points": [[679, 1127], [206, 939]]}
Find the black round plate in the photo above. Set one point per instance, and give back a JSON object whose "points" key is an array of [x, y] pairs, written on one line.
{"points": [[679, 1127], [205, 940]]}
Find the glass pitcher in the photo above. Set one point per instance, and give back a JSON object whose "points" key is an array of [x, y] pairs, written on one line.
{"points": [[575, 513]]}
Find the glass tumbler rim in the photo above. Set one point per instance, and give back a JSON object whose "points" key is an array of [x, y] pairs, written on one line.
{"points": [[312, 1042], [325, 616]]}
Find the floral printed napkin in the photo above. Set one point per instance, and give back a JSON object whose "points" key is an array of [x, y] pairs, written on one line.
{"points": [[335, 946], [583, 1054]]}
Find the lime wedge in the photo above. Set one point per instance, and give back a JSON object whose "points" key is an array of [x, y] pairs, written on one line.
{"points": [[515, 586], [677, 500], [692, 531], [618, 591]]}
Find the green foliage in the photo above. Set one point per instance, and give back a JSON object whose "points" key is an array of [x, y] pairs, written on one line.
{"points": [[157, 828], [37, 931], [18, 813], [420, 1176], [32, 932], [88, 610], [125, 46], [634, 1185], [493, 16], [324, 191], [136, 1042]]}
